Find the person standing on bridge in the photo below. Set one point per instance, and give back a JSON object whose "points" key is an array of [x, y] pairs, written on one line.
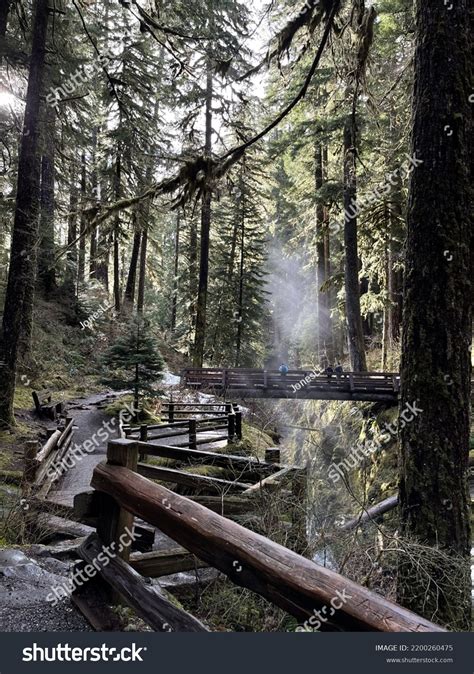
{"points": [[329, 372], [283, 370]]}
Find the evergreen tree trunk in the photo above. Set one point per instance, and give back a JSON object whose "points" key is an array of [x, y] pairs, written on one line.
{"points": [[200, 338], [240, 302], [93, 262], [71, 256], [129, 296], [144, 217], [46, 270], [386, 307], [351, 270], [103, 250], [142, 277], [81, 267], [21, 276], [193, 281], [436, 364], [227, 283], [322, 264], [330, 298], [395, 280], [116, 234], [174, 300]]}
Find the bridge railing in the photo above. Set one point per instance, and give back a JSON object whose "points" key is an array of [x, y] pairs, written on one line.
{"points": [[248, 378], [197, 429], [288, 580]]}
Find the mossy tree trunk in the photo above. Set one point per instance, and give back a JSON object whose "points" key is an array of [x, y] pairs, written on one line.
{"points": [[436, 367], [206, 216], [18, 312], [46, 259], [355, 335]]}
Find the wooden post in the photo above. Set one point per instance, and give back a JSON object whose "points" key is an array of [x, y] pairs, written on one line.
{"points": [[265, 379], [299, 488], [114, 520], [192, 434], [238, 424], [228, 408], [396, 383], [272, 455], [224, 379], [30, 464], [231, 427], [143, 438], [171, 412]]}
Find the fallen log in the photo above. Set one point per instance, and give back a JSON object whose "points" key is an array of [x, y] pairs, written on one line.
{"points": [[52, 525], [145, 599], [290, 581], [371, 513], [272, 481]]}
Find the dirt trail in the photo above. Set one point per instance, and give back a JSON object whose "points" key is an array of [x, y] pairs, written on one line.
{"points": [[89, 418]]}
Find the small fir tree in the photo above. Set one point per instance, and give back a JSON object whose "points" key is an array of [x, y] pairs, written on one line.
{"points": [[134, 362]]}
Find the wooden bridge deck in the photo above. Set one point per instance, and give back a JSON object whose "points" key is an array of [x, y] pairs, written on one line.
{"points": [[296, 384]]}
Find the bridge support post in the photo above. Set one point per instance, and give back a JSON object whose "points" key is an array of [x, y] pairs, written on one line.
{"points": [[192, 434], [231, 427], [272, 455], [170, 412], [30, 465], [114, 520], [299, 488], [143, 437], [238, 424]]}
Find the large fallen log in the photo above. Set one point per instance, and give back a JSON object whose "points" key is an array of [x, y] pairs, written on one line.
{"points": [[144, 598], [371, 513], [290, 581], [51, 526]]}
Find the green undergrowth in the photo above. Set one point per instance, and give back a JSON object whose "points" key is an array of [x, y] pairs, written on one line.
{"points": [[254, 442], [125, 403], [224, 607]]}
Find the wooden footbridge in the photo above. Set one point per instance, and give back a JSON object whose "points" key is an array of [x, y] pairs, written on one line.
{"points": [[296, 384]]}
